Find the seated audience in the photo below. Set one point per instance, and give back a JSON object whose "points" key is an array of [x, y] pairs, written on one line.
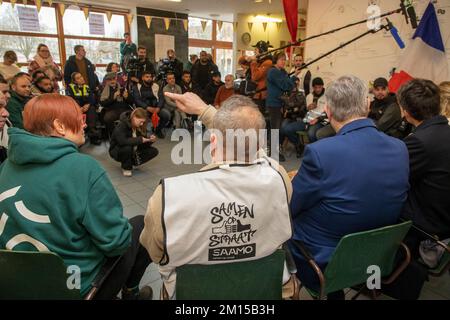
{"points": [[445, 99], [20, 94], [121, 77], [355, 181], [186, 83], [4, 97], [43, 61], [83, 96], [225, 91], [8, 68], [129, 143], [428, 204], [75, 197], [41, 86], [115, 100], [177, 115], [196, 235], [384, 110], [146, 96], [211, 89]]}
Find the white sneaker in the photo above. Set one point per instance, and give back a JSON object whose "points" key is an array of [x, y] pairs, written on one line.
{"points": [[127, 173]]}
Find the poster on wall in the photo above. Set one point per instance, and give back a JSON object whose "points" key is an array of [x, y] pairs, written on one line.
{"points": [[162, 44], [28, 19], [96, 24]]}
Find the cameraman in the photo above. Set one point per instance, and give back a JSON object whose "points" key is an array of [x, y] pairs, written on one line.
{"points": [[175, 64], [115, 99], [127, 49], [136, 69], [146, 96]]}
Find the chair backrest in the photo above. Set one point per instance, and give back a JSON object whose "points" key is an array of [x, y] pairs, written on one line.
{"points": [[34, 275], [356, 252], [251, 280]]}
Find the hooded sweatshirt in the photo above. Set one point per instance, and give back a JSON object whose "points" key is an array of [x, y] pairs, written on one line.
{"points": [[52, 198]]}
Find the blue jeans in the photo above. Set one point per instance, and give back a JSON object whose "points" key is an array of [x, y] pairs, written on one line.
{"points": [[290, 129], [312, 132]]}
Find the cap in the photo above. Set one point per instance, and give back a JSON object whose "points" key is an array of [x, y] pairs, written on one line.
{"points": [[262, 46], [380, 82], [317, 82], [110, 76]]}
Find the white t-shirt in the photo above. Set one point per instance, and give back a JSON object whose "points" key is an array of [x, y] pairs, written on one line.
{"points": [[8, 72]]}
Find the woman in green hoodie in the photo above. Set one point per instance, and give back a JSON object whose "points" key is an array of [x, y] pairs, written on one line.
{"points": [[53, 198]]}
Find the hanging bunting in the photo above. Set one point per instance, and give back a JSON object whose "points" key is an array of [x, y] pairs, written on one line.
{"points": [[86, 12], [219, 25], [130, 18], [109, 15], [204, 25], [50, 2], [250, 26], [186, 25], [62, 8], [167, 23], [264, 24], [13, 3], [235, 25], [279, 24], [38, 5], [148, 21], [25, 2]]}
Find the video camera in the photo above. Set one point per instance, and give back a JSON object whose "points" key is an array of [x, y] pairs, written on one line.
{"points": [[133, 65], [165, 66], [245, 87]]}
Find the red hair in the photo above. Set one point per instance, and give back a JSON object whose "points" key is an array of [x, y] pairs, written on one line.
{"points": [[40, 113]]}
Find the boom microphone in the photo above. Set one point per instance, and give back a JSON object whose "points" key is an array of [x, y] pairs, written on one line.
{"points": [[409, 12], [395, 34]]}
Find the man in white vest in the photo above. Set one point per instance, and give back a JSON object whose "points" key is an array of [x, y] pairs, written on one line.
{"points": [[238, 208], [304, 75]]}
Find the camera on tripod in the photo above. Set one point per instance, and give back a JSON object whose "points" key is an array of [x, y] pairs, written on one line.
{"points": [[165, 66]]}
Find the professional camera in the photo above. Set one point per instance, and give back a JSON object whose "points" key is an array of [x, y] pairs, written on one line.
{"points": [[132, 65], [245, 87], [294, 105], [165, 66]]}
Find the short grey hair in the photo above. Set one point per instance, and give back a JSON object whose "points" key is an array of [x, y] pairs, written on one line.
{"points": [[347, 98], [240, 113]]}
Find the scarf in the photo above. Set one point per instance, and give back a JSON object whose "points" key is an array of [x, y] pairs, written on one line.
{"points": [[47, 66]]}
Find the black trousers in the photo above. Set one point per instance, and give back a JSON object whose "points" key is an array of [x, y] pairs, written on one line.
{"points": [[128, 158], [276, 118], [112, 114], [131, 267]]}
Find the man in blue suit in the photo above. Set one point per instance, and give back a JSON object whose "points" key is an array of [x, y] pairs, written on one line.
{"points": [[355, 181]]}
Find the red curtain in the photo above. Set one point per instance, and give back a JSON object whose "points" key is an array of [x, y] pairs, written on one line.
{"points": [[291, 13]]}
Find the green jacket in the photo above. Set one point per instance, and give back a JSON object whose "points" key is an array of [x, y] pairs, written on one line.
{"points": [[15, 107], [62, 201]]}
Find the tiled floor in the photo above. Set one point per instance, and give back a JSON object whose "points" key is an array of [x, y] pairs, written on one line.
{"points": [[135, 191]]}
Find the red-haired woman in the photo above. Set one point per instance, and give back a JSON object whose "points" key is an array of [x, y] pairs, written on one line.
{"points": [[55, 199]]}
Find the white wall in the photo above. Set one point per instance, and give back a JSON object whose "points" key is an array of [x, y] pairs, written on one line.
{"points": [[370, 57]]}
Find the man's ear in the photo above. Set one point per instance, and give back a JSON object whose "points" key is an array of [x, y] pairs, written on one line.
{"points": [[59, 127]]}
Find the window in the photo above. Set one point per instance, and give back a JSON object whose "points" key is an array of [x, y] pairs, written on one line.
{"points": [[76, 24], [226, 33], [10, 18], [224, 61], [25, 47], [196, 29], [98, 52], [197, 50]]}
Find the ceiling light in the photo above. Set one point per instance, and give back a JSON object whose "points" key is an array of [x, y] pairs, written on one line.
{"points": [[174, 0], [260, 18]]}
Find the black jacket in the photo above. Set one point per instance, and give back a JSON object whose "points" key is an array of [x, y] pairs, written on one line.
{"points": [[210, 92], [198, 79], [428, 204], [122, 135], [387, 115]]}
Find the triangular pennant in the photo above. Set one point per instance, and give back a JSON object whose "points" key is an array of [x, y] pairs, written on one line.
{"points": [[219, 25], [86, 12], [148, 21], [130, 18], [250, 26], [25, 2], [186, 25], [50, 2], [62, 8], [38, 4], [279, 24], [264, 24], [235, 25], [167, 23], [204, 25], [109, 15], [13, 3]]}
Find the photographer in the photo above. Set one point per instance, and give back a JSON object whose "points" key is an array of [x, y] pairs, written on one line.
{"points": [[115, 99], [136, 67], [146, 96], [129, 143], [128, 49]]}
